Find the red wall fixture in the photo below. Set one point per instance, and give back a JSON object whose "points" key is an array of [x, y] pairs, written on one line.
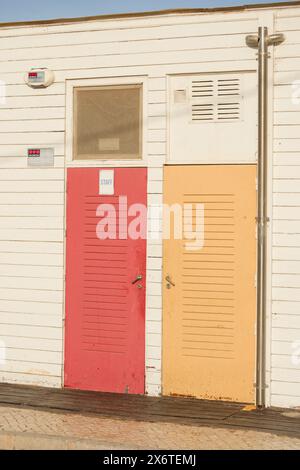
{"points": [[105, 283]]}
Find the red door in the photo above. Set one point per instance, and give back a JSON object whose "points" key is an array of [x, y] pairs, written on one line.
{"points": [[105, 284]]}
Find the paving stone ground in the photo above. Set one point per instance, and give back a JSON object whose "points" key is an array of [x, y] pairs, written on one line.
{"points": [[24, 428]]}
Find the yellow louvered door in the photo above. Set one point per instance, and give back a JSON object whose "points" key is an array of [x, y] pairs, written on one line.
{"points": [[209, 292]]}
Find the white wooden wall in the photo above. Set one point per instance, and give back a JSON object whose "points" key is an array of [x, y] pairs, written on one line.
{"points": [[285, 371], [32, 200]]}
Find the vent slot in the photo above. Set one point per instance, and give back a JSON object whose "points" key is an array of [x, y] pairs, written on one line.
{"points": [[228, 111], [218, 99], [229, 87], [202, 88], [203, 112]]}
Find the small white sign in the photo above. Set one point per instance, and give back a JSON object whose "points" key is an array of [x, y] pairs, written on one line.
{"points": [[107, 182]]}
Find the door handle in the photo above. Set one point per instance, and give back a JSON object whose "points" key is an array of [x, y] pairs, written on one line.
{"points": [[139, 278], [170, 283]]}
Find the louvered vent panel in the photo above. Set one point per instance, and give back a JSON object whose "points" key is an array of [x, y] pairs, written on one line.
{"points": [[216, 100], [228, 111], [203, 112], [202, 88], [208, 317], [105, 309], [228, 87]]}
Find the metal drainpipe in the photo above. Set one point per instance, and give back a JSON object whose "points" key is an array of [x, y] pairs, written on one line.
{"points": [[261, 42], [262, 213]]}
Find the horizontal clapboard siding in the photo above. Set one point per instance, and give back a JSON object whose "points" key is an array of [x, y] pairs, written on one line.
{"points": [[31, 237], [285, 362]]}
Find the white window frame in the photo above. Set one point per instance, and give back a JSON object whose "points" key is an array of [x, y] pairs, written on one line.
{"points": [[98, 82]]}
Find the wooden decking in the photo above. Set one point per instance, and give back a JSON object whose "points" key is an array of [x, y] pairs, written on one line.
{"points": [[166, 409]]}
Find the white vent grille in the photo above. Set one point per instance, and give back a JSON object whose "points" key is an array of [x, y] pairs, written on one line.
{"points": [[203, 112], [228, 87], [202, 88], [217, 99], [228, 111]]}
